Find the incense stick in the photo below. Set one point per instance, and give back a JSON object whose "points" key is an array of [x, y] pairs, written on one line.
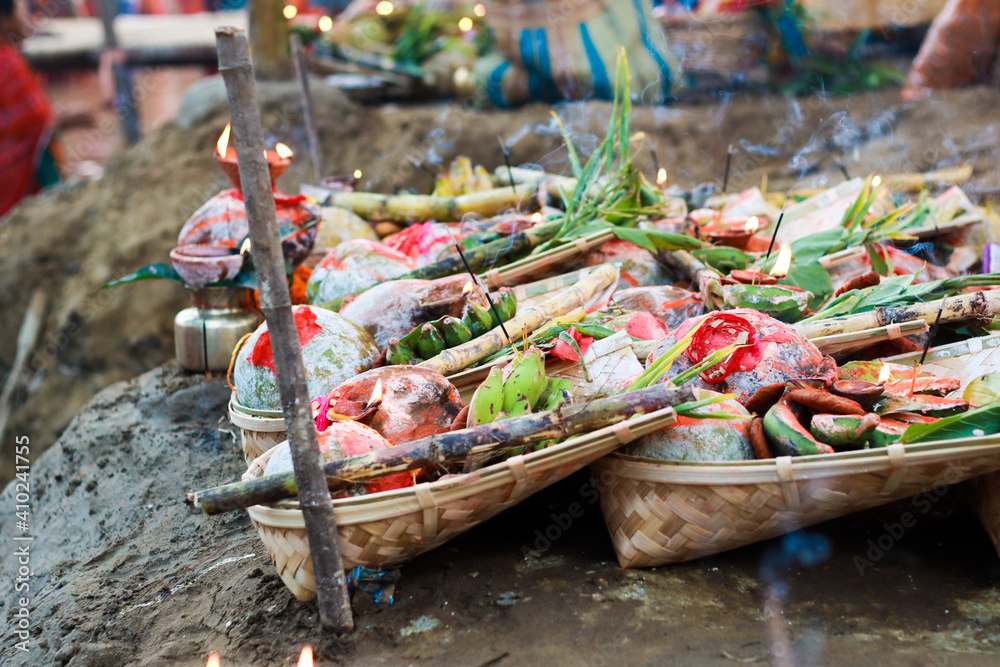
{"points": [[843, 170], [774, 235], [486, 292], [927, 346], [506, 161], [725, 183], [656, 163]]}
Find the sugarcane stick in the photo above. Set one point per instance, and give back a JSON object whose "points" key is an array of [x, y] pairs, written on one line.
{"points": [[515, 272], [970, 306], [477, 257], [688, 266], [916, 182], [457, 358], [405, 209], [276, 304], [438, 449]]}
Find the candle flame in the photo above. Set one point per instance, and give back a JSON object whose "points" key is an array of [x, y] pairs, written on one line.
{"points": [[384, 8], [885, 374], [465, 24], [469, 288], [375, 398], [661, 176], [306, 657], [245, 248], [223, 144], [752, 224], [213, 659], [780, 269], [536, 217], [357, 173]]}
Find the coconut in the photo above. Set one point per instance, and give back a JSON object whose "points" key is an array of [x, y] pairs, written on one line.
{"points": [[780, 354], [393, 309], [341, 440], [353, 266], [416, 402], [334, 349], [698, 440]]}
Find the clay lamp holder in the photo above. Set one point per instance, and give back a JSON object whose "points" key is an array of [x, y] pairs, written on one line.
{"points": [[865, 393], [750, 277], [200, 264], [339, 183], [276, 166], [737, 237]]}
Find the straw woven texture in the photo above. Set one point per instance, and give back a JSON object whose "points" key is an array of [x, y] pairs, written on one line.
{"points": [[659, 512], [257, 434], [392, 527], [721, 45]]}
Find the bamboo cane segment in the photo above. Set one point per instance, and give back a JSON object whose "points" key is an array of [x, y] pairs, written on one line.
{"points": [[415, 208], [457, 358], [974, 305]]}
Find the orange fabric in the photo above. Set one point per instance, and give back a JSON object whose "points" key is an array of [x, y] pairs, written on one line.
{"points": [[25, 119]]}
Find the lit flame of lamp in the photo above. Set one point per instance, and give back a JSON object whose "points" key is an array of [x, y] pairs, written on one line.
{"points": [[325, 24], [213, 659], [877, 181], [283, 151], [479, 10], [752, 224], [357, 173], [376, 396], [661, 177], [384, 8], [465, 24], [306, 657], [468, 289], [290, 12], [886, 373], [536, 217], [780, 269], [223, 144], [245, 248]]}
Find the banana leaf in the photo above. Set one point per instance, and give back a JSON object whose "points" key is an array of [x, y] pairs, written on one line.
{"points": [[979, 422]]}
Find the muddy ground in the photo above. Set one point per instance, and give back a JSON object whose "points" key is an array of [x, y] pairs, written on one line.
{"points": [[125, 573], [71, 241]]}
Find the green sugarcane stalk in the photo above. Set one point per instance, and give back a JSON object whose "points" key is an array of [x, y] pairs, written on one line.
{"points": [[436, 450], [405, 209]]}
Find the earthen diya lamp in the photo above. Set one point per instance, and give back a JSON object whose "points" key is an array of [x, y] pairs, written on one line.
{"points": [[341, 182], [278, 160], [200, 264], [866, 394], [736, 235]]}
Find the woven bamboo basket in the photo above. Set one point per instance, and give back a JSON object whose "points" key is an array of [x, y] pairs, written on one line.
{"points": [[724, 46], [391, 527], [968, 360], [663, 512], [259, 430]]}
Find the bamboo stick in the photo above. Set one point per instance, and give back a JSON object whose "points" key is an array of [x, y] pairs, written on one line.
{"points": [[461, 356], [516, 272], [405, 209], [916, 182], [970, 306], [302, 74], [438, 449], [276, 304]]}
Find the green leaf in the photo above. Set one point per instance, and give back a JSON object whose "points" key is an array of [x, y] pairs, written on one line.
{"points": [[722, 258], [877, 262], [982, 421], [812, 247], [811, 277], [653, 240], [151, 272], [983, 391]]}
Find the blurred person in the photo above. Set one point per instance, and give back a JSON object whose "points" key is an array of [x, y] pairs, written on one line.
{"points": [[27, 160]]}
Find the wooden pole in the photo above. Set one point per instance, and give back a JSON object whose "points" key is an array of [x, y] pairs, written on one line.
{"points": [[299, 60], [276, 304], [121, 74], [269, 35], [437, 449]]}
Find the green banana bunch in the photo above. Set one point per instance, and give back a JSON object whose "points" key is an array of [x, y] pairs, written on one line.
{"points": [[519, 394], [432, 338]]}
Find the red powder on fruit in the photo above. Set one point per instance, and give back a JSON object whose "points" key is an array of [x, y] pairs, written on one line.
{"points": [[643, 325], [305, 323]]}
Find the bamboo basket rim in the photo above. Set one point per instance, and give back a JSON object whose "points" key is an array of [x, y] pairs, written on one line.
{"points": [[255, 420], [785, 469], [946, 351], [398, 502]]}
